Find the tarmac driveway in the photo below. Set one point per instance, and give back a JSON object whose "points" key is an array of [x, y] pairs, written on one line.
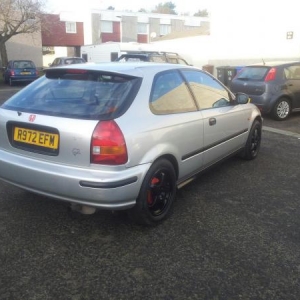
{"points": [[234, 234]]}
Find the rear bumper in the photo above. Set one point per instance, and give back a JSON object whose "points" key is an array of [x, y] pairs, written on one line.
{"points": [[23, 78], [103, 189], [262, 102]]}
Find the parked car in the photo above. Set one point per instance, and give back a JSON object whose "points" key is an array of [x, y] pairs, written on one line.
{"points": [[122, 136], [273, 87], [158, 57], [20, 71], [61, 61]]}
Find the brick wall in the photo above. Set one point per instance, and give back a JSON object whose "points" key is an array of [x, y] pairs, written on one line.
{"points": [[54, 32]]}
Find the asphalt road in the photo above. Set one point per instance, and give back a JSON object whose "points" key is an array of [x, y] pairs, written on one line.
{"points": [[234, 234]]}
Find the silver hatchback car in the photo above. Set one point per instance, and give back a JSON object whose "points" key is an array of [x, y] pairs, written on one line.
{"points": [[122, 136]]}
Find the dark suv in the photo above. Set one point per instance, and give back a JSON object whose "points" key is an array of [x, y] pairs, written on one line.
{"points": [[159, 57], [273, 87]]}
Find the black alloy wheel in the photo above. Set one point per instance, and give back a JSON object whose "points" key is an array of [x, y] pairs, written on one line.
{"points": [[253, 142], [157, 194]]}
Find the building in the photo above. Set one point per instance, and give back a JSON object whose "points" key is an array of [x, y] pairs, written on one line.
{"points": [[68, 31], [25, 46], [118, 26], [61, 35]]}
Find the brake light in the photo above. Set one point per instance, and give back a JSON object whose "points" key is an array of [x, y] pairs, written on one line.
{"points": [[108, 145], [76, 71], [12, 73], [36, 72], [271, 75]]}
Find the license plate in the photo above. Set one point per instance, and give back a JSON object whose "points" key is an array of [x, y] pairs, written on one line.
{"points": [[25, 73], [35, 137]]}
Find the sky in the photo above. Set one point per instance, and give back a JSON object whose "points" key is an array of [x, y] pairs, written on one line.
{"points": [[182, 6]]}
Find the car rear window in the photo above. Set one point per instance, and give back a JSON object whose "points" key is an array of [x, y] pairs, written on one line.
{"points": [[70, 61], [77, 94], [23, 64], [253, 73]]}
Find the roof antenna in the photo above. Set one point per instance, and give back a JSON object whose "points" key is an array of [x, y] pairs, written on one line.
{"points": [[263, 61]]}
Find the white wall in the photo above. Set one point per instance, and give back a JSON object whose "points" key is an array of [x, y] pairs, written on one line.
{"points": [[25, 46], [243, 33], [255, 29], [59, 52]]}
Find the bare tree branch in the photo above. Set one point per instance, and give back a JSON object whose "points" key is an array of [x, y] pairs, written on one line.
{"points": [[18, 17]]}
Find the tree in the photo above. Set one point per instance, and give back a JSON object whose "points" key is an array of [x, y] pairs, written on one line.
{"points": [[18, 17], [165, 8], [201, 13]]}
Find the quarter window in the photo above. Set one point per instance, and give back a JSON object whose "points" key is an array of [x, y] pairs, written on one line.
{"points": [[170, 95], [207, 91]]}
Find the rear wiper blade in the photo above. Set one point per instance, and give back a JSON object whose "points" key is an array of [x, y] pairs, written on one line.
{"points": [[243, 78]]}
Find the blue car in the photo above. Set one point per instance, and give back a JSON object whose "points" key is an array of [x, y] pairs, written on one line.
{"points": [[20, 71]]}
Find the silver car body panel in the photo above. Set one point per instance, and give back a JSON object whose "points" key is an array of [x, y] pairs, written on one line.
{"points": [[195, 140]]}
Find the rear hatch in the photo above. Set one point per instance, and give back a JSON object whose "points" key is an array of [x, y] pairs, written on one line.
{"points": [[24, 68], [54, 118], [250, 80]]}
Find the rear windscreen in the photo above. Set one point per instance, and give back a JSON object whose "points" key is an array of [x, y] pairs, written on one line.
{"points": [[23, 64], [77, 94], [252, 73]]}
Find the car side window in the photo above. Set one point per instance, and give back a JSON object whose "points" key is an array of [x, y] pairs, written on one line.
{"points": [[172, 60], [158, 59], [170, 95], [55, 62], [208, 92], [182, 61]]}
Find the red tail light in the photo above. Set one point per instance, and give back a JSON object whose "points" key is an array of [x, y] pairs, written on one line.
{"points": [[12, 73], [271, 75], [36, 72], [108, 145]]}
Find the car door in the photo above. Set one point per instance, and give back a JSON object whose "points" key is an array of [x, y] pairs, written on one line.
{"points": [[225, 124], [179, 121]]}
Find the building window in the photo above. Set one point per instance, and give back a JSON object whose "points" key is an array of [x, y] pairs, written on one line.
{"points": [[107, 26], [71, 27], [165, 29], [142, 28]]}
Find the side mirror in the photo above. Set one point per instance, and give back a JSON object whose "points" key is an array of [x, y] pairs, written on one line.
{"points": [[242, 98]]}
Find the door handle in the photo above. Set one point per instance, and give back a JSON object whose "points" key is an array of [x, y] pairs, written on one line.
{"points": [[212, 121]]}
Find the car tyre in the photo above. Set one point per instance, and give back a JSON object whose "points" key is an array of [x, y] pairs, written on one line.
{"points": [[281, 109], [253, 142], [157, 194]]}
